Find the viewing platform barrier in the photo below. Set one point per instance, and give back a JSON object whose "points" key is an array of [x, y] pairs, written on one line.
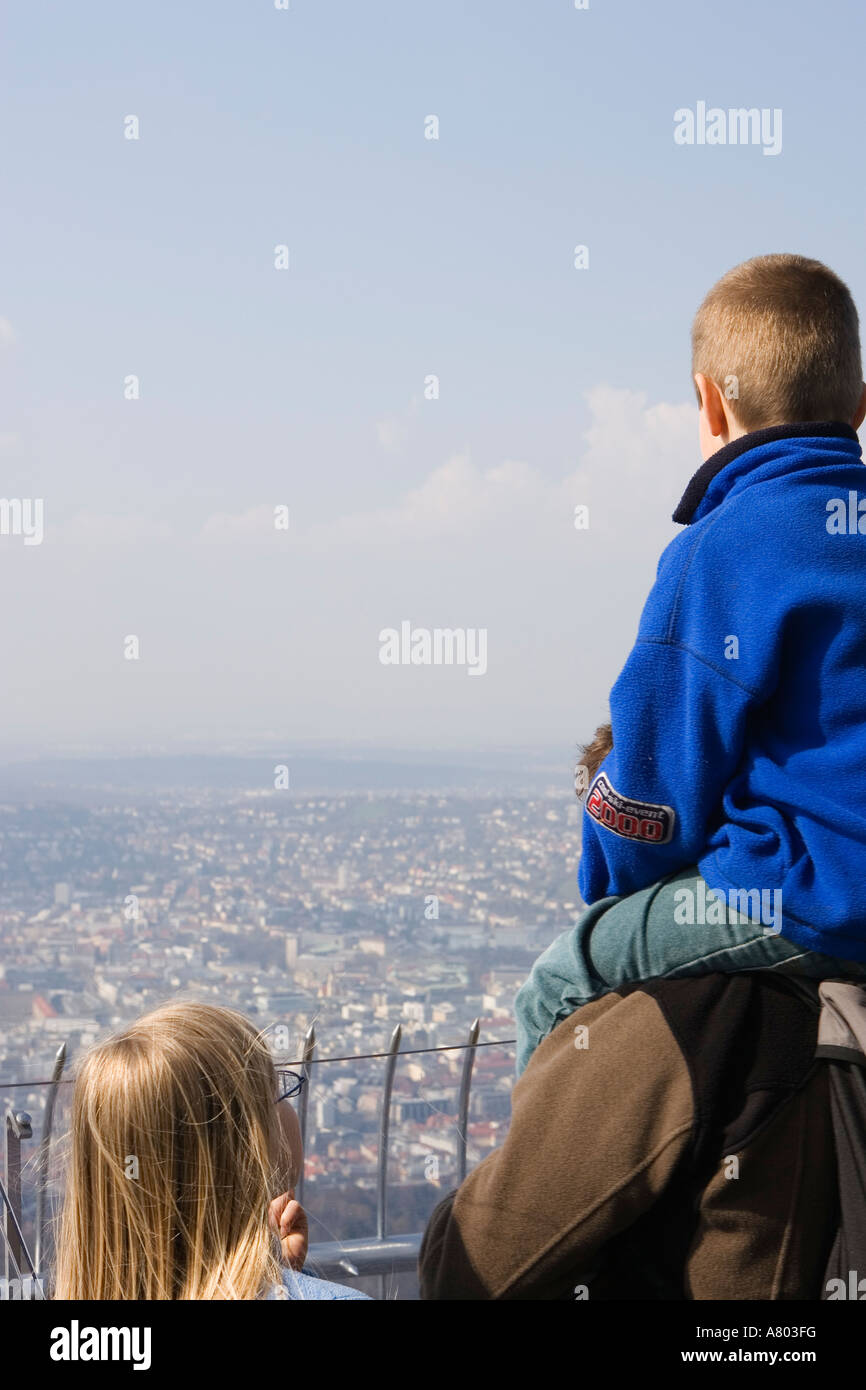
{"points": [[380, 1254]]}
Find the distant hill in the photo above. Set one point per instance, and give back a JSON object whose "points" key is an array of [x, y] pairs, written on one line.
{"points": [[79, 778]]}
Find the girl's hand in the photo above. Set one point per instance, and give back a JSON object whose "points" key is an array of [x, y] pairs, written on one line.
{"points": [[289, 1220]]}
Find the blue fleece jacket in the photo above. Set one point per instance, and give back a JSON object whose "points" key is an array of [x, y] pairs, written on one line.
{"points": [[739, 719]]}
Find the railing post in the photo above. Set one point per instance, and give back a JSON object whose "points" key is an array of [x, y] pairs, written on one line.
{"points": [[44, 1154], [463, 1102], [303, 1102], [384, 1130], [18, 1127]]}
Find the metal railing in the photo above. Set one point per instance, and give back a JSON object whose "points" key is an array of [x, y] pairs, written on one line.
{"points": [[383, 1254], [18, 1262], [379, 1255]]}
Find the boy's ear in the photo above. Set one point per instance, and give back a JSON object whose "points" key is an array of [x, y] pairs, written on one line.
{"points": [[860, 413], [711, 406]]}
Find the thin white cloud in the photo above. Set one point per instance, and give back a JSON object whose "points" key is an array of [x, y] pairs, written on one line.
{"points": [[280, 629], [391, 433], [635, 463], [256, 525], [93, 530], [393, 430]]}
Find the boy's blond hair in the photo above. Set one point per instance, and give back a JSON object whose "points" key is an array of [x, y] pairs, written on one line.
{"points": [[779, 335]]}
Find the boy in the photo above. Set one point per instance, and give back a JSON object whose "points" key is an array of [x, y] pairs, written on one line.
{"points": [[726, 827]]}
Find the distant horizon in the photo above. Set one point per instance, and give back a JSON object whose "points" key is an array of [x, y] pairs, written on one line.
{"points": [[326, 750], [309, 773]]}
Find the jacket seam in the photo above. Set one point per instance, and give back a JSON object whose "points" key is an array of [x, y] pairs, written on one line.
{"points": [[705, 661], [675, 606], [689, 560]]}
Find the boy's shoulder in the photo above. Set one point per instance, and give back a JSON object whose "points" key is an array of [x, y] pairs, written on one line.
{"points": [[760, 528], [775, 506]]}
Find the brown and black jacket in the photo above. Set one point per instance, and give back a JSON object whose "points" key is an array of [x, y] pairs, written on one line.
{"points": [[671, 1140]]}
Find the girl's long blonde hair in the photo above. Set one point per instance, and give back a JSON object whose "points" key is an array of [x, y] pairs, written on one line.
{"points": [[176, 1150]]}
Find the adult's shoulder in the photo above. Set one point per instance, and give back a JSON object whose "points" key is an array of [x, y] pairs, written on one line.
{"points": [[752, 1024]]}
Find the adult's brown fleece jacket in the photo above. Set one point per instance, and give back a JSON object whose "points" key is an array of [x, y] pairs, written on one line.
{"points": [[671, 1140]]}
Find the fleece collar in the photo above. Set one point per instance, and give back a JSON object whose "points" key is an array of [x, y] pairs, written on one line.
{"points": [[694, 493]]}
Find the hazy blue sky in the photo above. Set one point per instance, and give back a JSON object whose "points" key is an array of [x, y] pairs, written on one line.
{"points": [[305, 387]]}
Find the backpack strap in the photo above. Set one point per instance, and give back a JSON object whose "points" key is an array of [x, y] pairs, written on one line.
{"points": [[842, 1025], [842, 1045]]}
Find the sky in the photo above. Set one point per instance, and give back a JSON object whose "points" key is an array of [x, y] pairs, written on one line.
{"points": [[308, 387]]}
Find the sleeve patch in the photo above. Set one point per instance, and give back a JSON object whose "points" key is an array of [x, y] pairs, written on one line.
{"points": [[633, 820]]}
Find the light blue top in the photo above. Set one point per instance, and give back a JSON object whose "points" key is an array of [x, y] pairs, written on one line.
{"points": [[303, 1285]]}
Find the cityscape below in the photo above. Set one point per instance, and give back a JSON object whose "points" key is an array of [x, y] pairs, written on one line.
{"points": [[352, 911]]}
